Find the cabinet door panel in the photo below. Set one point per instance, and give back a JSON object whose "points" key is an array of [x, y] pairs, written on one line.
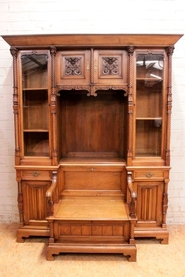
{"points": [[72, 68], [149, 203], [34, 195], [110, 67]]}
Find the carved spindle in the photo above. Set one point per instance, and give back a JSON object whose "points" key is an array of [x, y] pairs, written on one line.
{"points": [[14, 53], [53, 106], [169, 52], [93, 69], [130, 50]]}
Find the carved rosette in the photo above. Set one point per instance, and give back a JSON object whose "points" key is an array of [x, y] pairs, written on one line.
{"points": [[73, 66], [110, 66]]}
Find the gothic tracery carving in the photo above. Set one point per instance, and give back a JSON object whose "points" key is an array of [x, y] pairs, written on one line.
{"points": [[110, 66], [73, 66]]}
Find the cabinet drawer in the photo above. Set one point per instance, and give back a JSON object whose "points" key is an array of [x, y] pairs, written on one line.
{"points": [[149, 174], [36, 175]]}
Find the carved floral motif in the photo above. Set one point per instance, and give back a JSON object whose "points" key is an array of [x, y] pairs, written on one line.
{"points": [[110, 66], [73, 66]]}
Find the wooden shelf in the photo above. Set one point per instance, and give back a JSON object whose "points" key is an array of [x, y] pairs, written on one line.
{"points": [[34, 89], [35, 130], [148, 118]]}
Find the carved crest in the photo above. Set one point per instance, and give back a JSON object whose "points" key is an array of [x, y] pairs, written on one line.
{"points": [[72, 66], [110, 66]]}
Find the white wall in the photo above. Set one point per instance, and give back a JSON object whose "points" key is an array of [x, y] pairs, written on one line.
{"points": [[97, 16]]}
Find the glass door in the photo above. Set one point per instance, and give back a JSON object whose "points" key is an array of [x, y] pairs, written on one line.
{"points": [[35, 104], [149, 101]]}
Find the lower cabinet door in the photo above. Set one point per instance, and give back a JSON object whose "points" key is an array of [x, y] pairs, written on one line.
{"points": [[149, 204], [34, 202]]}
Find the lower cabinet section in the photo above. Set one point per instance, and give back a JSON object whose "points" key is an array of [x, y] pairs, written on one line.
{"points": [[34, 203], [32, 209], [149, 203], [151, 186]]}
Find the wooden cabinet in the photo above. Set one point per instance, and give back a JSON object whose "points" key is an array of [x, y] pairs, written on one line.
{"points": [[92, 139]]}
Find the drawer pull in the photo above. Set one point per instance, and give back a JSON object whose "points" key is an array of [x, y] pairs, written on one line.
{"points": [[149, 175], [92, 169], [35, 174]]}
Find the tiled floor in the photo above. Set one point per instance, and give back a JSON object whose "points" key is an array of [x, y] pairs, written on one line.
{"points": [[153, 259]]}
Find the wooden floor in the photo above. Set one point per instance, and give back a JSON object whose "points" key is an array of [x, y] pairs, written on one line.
{"points": [[92, 208], [153, 259]]}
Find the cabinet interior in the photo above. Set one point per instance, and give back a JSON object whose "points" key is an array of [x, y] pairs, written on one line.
{"points": [[92, 127]]}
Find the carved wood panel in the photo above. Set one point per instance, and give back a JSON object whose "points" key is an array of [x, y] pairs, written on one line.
{"points": [[149, 203], [34, 203], [72, 69], [110, 67]]}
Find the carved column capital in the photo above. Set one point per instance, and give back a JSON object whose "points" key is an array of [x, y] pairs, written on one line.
{"points": [[53, 50], [14, 51], [169, 50], [130, 50]]}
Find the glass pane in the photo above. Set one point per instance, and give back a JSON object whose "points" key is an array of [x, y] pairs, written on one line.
{"points": [[34, 71], [149, 86], [36, 144], [35, 104], [149, 101], [35, 109], [150, 67], [148, 137]]}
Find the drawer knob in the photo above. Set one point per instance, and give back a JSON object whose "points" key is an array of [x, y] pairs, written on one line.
{"points": [[35, 174], [149, 175], [92, 169]]}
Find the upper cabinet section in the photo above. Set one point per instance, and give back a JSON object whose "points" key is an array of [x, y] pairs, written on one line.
{"points": [[91, 70]]}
